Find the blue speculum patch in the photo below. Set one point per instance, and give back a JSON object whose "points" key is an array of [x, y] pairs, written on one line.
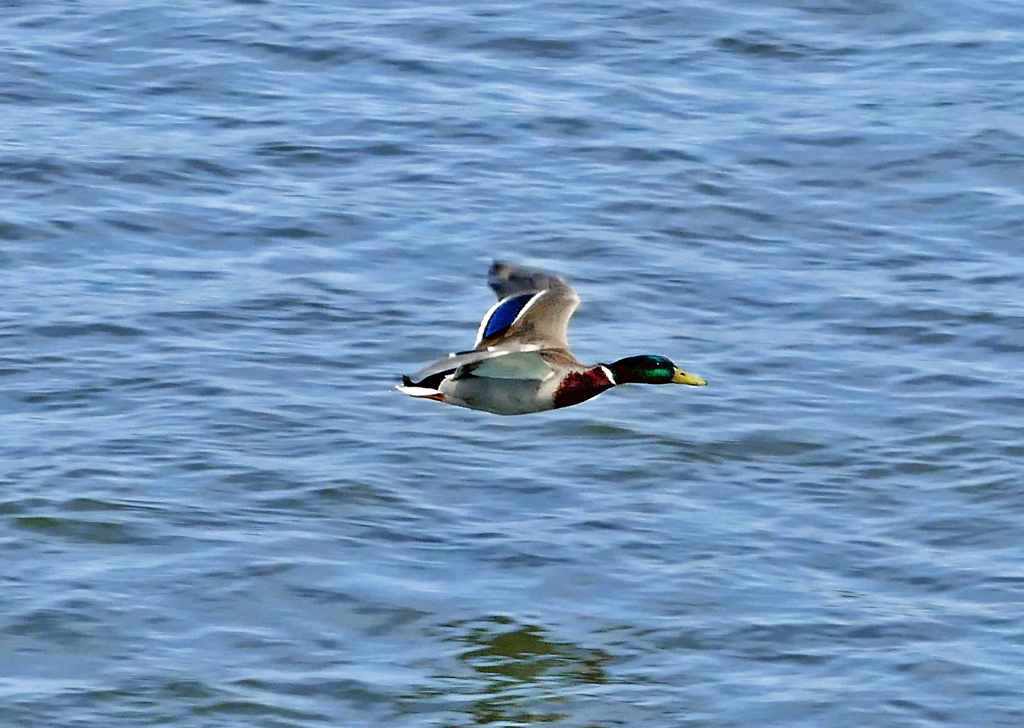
{"points": [[505, 314]]}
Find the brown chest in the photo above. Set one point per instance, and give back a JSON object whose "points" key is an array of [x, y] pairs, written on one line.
{"points": [[580, 386]]}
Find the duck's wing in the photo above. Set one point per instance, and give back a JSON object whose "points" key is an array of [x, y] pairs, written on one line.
{"points": [[533, 308], [471, 360]]}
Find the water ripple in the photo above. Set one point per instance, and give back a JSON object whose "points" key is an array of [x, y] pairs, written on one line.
{"points": [[229, 229]]}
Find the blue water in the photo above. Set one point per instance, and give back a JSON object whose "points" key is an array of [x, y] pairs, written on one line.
{"points": [[229, 227]]}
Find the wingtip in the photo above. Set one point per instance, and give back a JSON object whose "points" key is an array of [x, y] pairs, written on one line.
{"points": [[498, 273]]}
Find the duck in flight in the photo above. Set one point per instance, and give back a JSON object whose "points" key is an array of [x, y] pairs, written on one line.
{"points": [[521, 361]]}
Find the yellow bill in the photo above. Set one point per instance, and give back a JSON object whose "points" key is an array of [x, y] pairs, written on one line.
{"points": [[681, 377]]}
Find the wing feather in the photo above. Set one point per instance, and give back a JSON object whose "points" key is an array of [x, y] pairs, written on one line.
{"points": [[450, 363], [541, 319]]}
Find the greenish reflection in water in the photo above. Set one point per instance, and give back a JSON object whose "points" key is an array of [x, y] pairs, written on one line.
{"points": [[516, 674]]}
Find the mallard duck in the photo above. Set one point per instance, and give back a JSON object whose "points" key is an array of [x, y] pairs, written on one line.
{"points": [[521, 361]]}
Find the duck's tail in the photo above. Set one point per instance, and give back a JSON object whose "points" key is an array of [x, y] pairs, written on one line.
{"points": [[407, 387]]}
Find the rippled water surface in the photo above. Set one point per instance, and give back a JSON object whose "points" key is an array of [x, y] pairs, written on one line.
{"points": [[228, 227]]}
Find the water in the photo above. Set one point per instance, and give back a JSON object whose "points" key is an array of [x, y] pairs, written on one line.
{"points": [[229, 227]]}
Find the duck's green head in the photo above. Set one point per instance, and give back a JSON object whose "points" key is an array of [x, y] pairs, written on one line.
{"points": [[648, 369]]}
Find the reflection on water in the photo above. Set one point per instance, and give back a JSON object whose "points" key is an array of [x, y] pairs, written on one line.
{"points": [[514, 674]]}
